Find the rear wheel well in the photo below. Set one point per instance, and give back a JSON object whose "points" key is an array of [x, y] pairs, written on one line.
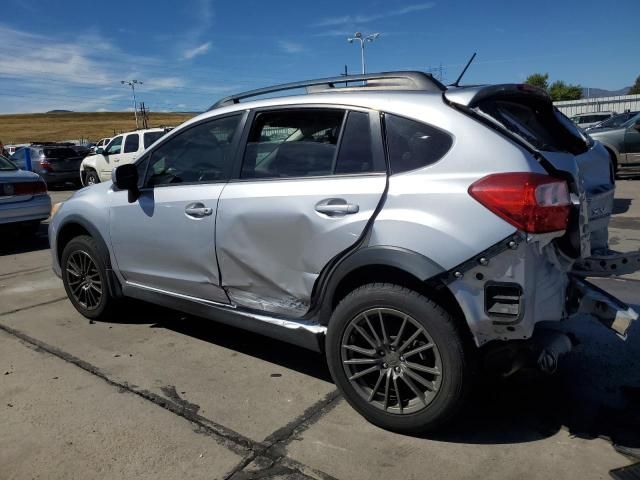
{"points": [[435, 291], [614, 159]]}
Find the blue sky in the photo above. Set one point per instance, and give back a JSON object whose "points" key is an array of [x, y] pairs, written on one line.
{"points": [[72, 54]]}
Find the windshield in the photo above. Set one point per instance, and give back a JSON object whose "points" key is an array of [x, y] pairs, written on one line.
{"points": [[6, 165], [540, 124], [60, 152], [616, 121], [631, 121]]}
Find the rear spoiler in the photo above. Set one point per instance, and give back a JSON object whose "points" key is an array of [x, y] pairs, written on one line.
{"points": [[472, 96]]}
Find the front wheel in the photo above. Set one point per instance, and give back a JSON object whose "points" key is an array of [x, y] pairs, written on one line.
{"points": [[85, 279], [397, 357], [91, 178]]}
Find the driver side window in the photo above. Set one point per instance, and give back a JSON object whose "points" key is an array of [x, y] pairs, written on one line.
{"points": [[115, 146], [200, 154]]}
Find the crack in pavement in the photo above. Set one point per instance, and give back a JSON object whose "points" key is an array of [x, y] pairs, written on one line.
{"points": [[41, 304], [26, 271], [273, 447]]}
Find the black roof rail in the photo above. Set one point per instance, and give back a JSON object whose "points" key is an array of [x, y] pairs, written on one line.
{"points": [[404, 80]]}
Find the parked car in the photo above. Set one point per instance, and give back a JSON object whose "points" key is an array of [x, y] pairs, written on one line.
{"points": [[586, 120], [24, 201], [613, 122], [122, 149], [55, 163], [82, 150], [622, 143], [411, 258], [100, 144], [11, 149]]}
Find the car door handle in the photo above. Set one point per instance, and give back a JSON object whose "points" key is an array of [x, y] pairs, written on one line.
{"points": [[337, 206], [198, 210]]}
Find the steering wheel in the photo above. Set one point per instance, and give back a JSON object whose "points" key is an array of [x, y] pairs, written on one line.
{"points": [[205, 169]]}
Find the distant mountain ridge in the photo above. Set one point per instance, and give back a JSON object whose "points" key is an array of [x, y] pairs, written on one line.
{"points": [[601, 92]]}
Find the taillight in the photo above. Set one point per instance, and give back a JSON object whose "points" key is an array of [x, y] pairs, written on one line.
{"points": [[30, 188], [532, 202], [45, 165]]}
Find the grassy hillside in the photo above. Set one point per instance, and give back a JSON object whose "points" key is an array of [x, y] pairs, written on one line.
{"points": [[24, 128]]}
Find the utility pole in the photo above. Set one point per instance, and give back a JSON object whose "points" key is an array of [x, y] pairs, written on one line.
{"points": [[345, 74], [132, 84], [144, 113], [362, 39]]}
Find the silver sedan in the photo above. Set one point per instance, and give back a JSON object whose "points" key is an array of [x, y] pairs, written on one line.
{"points": [[24, 200]]}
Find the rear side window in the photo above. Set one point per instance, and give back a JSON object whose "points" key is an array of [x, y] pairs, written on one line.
{"points": [[131, 143], [412, 144], [292, 143]]}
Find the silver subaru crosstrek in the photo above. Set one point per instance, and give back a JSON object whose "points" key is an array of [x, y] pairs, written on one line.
{"points": [[413, 232]]}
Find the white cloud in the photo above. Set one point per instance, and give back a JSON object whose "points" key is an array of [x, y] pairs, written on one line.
{"points": [[165, 83], [366, 18], [290, 47], [79, 74], [194, 52]]}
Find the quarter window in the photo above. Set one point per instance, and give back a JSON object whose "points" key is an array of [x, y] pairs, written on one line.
{"points": [[199, 154], [292, 143], [413, 144], [131, 143]]}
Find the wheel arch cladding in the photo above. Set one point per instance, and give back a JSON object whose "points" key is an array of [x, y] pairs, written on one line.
{"points": [[386, 264], [75, 226]]}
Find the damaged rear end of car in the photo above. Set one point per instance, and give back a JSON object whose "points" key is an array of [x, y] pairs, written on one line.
{"points": [[561, 217]]}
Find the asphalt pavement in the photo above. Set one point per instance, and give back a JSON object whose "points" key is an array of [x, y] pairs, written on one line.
{"points": [[158, 394]]}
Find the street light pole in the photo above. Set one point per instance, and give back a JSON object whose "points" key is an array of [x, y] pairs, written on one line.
{"points": [[132, 84], [362, 39]]}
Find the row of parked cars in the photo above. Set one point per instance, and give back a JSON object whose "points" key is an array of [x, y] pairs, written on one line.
{"points": [[619, 133], [26, 173]]}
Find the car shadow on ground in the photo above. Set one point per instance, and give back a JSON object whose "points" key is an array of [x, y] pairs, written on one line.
{"points": [[621, 205], [267, 349], [594, 394], [15, 240]]}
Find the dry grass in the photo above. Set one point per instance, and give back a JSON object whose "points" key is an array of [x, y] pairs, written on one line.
{"points": [[25, 128]]}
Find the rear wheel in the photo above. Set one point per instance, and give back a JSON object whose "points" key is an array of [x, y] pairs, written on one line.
{"points": [[397, 358], [85, 279], [91, 178]]}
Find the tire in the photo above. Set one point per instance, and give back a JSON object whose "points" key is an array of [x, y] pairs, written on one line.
{"points": [[615, 168], [91, 178], [395, 367], [87, 288], [31, 228]]}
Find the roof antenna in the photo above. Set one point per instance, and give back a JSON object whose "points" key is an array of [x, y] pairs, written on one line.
{"points": [[457, 82]]}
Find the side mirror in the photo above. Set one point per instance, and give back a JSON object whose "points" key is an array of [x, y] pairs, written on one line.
{"points": [[101, 151], [125, 177]]}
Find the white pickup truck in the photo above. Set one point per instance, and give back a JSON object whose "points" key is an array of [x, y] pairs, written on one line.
{"points": [[123, 148]]}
